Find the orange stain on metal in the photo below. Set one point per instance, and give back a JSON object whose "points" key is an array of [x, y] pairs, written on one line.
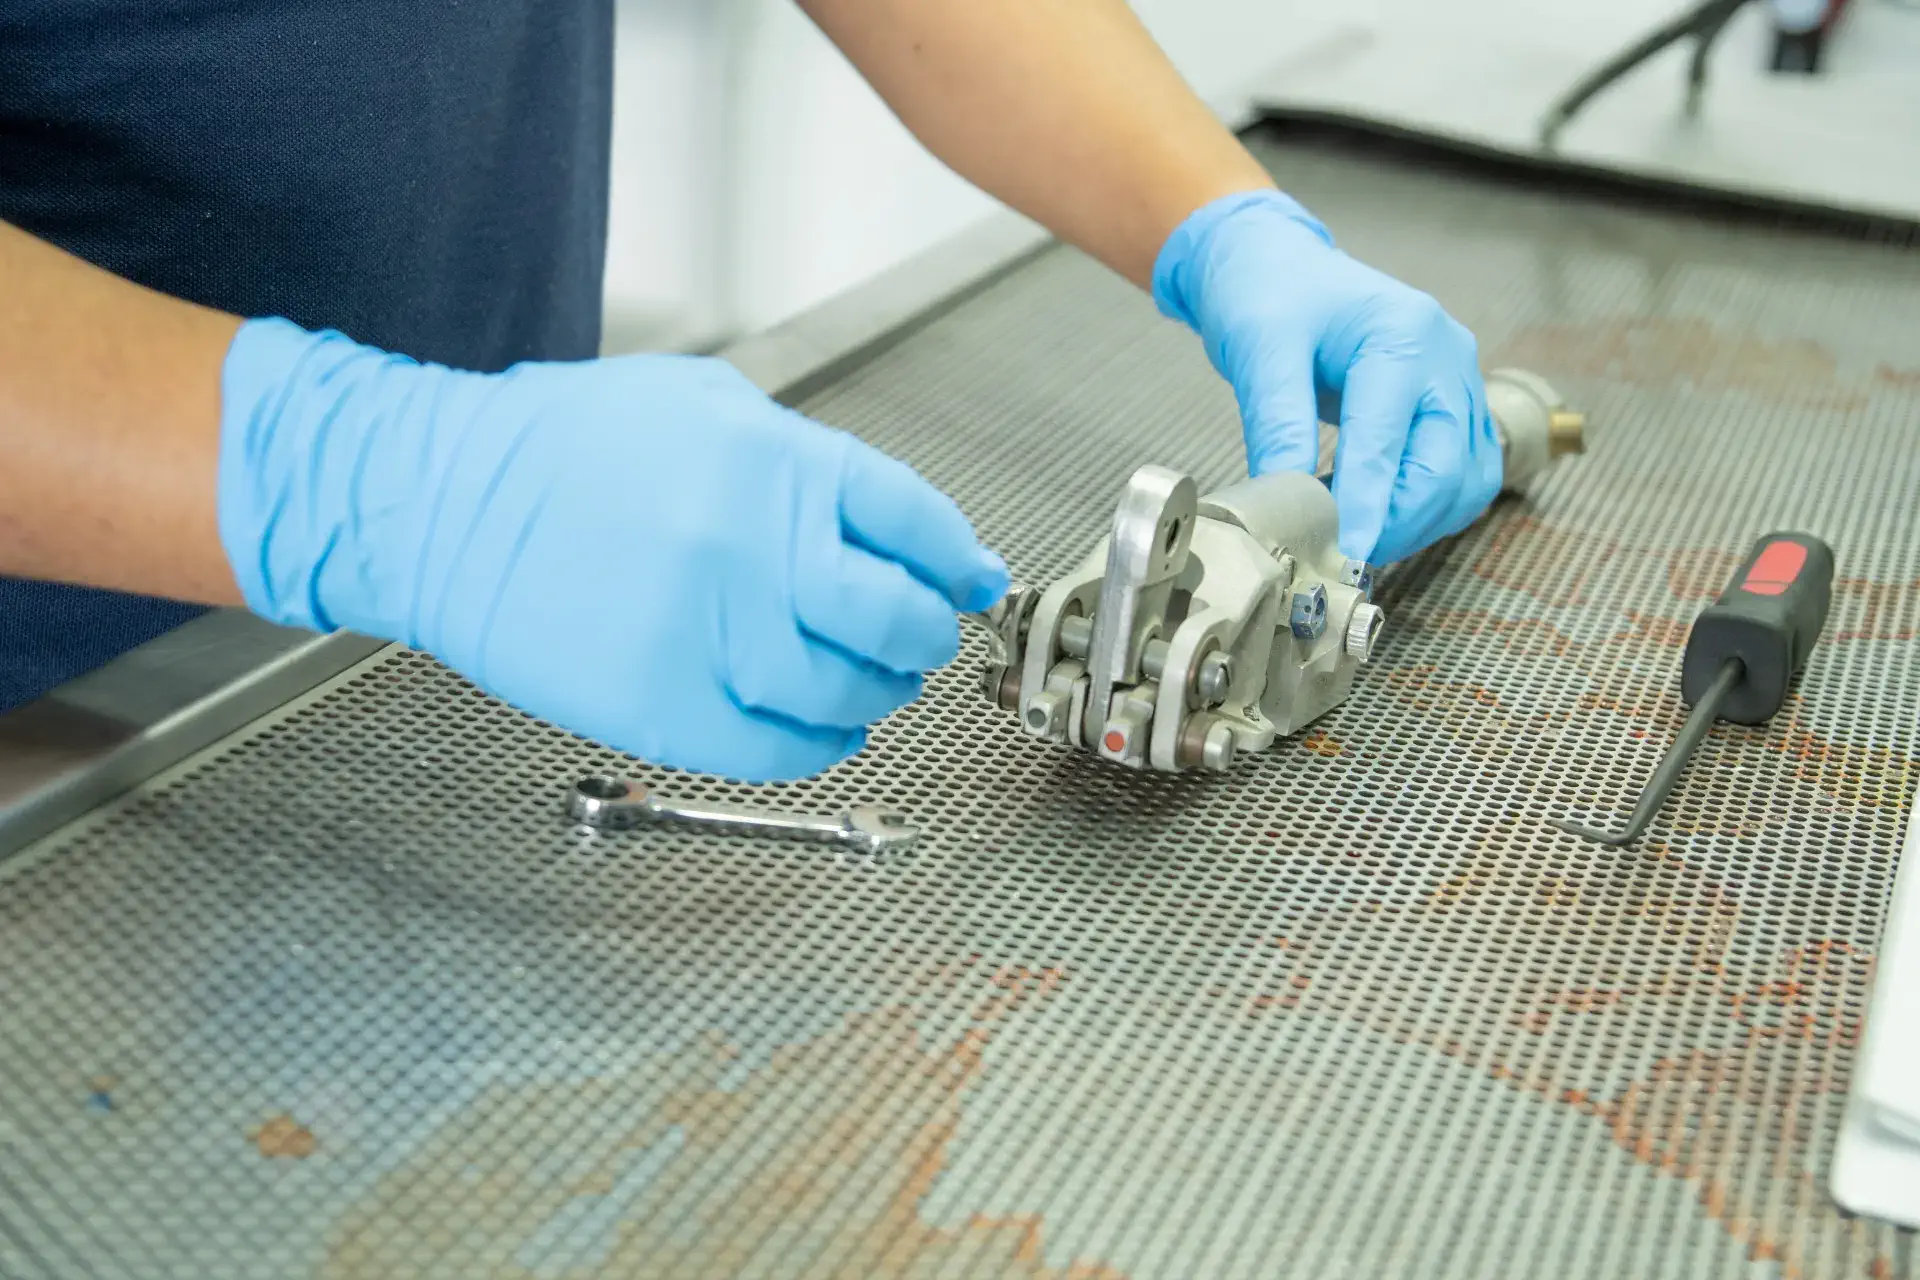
{"points": [[1556, 566], [1016, 984], [282, 1137], [1774, 1038], [1856, 775], [1322, 743], [1551, 564], [1899, 379], [1471, 714], [1525, 635], [1703, 1116], [1866, 610], [1668, 633], [774, 1165], [1700, 574], [1663, 352]]}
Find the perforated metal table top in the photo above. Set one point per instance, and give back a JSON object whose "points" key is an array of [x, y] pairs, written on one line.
{"points": [[347, 996]]}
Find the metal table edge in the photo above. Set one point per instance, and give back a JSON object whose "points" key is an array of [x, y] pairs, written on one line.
{"points": [[104, 732]]}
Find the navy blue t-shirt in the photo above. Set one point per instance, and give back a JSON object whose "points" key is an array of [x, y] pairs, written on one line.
{"points": [[429, 176]]}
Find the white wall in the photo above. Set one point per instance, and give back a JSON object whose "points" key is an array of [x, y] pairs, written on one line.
{"points": [[661, 252], [756, 175]]}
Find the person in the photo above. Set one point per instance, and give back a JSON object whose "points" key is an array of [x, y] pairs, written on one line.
{"points": [[299, 311]]}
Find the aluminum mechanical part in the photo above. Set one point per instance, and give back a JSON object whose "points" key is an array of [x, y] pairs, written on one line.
{"points": [[1211, 679], [1309, 616], [619, 804], [1364, 625], [1202, 629], [1146, 550], [1534, 424], [1214, 678], [1206, 743], [1005, 625], [1211, 666], [1358, 574]]}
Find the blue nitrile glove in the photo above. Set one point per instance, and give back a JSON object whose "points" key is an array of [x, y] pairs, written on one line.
{"points": [[643, 550], [1304, 332]]}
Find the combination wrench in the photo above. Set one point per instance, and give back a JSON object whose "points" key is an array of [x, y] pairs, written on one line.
{"points": [[619, 804]]}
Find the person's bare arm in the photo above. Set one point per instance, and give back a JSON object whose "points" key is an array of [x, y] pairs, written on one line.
{"points": [[1065, 109], [109, 429]]}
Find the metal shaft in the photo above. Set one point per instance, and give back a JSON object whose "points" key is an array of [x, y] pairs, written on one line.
{"points": [[1673, 764], [619, 804]]}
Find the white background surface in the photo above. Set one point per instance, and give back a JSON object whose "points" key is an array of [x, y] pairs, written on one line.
{"points": [[1488, 71], [1877, 1169], [755, 175]]}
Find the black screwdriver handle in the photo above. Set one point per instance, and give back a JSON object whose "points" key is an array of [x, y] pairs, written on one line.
{"points": [[1767, 619]]}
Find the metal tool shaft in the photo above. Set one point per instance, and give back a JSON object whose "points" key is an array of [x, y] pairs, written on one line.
{"points": [[1673, 764], [617, 804]]}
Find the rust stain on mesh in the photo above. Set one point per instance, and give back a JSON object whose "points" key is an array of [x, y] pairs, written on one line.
{"points": [[1667, 352], [281, 1137], [1776, 1034], [828, 1190]]}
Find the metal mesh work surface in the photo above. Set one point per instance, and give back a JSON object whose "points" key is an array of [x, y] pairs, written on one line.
{"points": [[347, 996]]}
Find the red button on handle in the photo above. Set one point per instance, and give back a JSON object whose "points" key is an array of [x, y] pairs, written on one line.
{"points": [[1775, 569]]}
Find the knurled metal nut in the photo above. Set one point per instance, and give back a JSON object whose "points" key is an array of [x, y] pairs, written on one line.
{"points": [[1309, 612], [1363, 630]]}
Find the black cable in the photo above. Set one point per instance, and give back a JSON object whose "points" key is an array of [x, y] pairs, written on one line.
{"points": [[1702, 24], [1703, 42]]}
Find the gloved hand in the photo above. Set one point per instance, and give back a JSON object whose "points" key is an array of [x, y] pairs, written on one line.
{"points": [[643, 550], [1305, 333]]}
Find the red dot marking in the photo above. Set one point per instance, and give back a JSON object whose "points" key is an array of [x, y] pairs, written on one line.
{"points": [[1116, 741], [1776, 569]]}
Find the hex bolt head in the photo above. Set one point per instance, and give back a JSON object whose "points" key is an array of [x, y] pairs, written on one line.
{"points": [[1363, 630], [1309, 612], [1358, 574], [1125, 736], [1045, 716]]}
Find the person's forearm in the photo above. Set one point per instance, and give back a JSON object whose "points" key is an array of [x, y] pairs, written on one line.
{"points": [[109, 429], [1065, 109]]}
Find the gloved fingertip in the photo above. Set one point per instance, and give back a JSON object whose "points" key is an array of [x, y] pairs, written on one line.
{"points": [[1282, 456], [1363, 529], [937, 651], [850, 746], [1363, 549], [988, 585], [809, 755], [1410, 534]]}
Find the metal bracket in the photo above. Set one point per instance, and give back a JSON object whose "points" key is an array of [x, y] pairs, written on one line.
{"points": [[1203, 629], [1146, 552]]}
